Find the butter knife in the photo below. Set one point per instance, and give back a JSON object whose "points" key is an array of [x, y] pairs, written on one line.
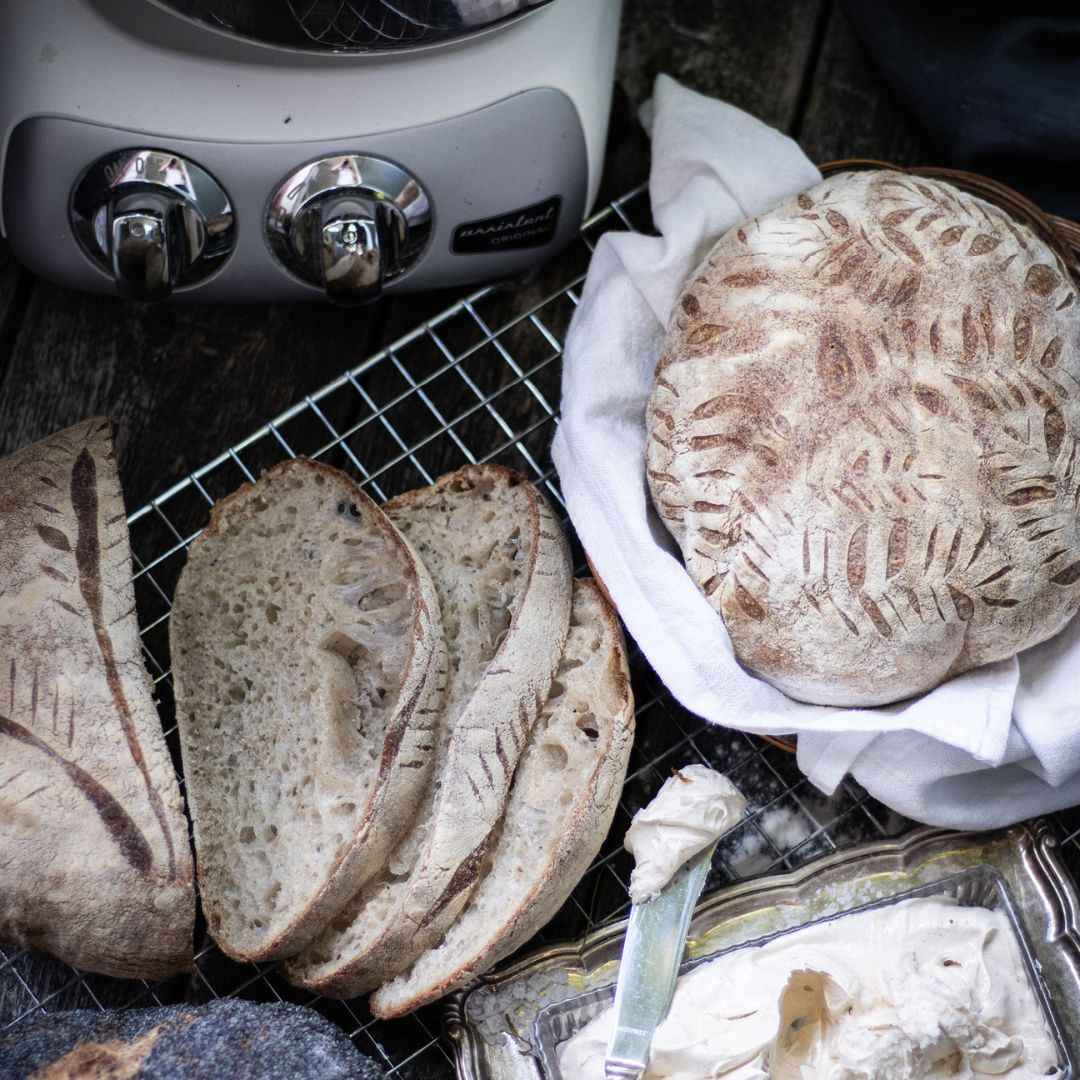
{"points": [[652, 951]]}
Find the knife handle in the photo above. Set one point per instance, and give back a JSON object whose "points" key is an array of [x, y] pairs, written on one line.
{"points": [[652, 952]]}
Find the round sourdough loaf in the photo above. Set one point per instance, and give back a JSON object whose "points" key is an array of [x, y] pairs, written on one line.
{"points": [[863, 435]]}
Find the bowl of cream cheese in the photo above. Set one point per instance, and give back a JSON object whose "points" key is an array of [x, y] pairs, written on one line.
{"points": [[932, 954], [936, 982]]}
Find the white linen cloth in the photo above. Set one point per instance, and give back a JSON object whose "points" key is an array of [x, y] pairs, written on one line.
{"points": [[989, 748]]}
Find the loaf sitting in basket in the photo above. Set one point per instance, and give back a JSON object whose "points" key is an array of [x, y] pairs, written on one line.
{"points": [[862, 434]]}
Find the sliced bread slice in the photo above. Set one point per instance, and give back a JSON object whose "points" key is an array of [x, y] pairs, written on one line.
{"points": [[502, 569], [309, 667], [561, 805], [95, 863]]}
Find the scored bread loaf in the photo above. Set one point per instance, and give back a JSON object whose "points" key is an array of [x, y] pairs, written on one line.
{"points": [[561, 804], [309, 667], [95, 864], [863, 434], [502, 570]]}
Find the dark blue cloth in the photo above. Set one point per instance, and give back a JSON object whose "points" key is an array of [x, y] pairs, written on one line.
{"points": [[995, 85]]}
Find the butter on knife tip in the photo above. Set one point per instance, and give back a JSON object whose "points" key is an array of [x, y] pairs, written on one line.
{"points": [[692, 810], [679, 828]]}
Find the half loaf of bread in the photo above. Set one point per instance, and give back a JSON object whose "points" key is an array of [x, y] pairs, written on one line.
{"points": [[863, 433], [502, 570], [309, 668], [562, 801], [95, 864]]}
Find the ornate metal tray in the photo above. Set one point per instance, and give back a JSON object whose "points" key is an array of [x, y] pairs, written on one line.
{"points": [[506, 1027]]}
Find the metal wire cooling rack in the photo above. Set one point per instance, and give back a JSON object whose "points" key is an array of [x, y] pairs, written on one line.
{"points": [[479, 382]]}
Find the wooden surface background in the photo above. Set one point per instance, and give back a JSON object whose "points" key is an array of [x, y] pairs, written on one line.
{"points": [[185, 381]]}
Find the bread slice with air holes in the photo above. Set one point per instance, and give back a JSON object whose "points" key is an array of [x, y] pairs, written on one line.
{"points": [[561, 805], [309, 668], [502, 569]]}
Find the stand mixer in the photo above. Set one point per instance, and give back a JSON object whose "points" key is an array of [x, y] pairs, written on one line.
{"points": [[234, 150]]}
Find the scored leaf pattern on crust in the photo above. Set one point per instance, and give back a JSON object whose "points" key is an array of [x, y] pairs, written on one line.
{"points": [[117, 821], [65, 519], [864, 429]]}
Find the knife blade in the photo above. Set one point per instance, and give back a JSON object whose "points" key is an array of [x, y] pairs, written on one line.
{"points": [[652, 951]]}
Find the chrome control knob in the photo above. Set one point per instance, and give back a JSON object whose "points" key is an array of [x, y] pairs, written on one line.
{"points": [[154, 220], [348, 224]]}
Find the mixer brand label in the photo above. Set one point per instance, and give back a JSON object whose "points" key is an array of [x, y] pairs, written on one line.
{"points": [[531, 226]]}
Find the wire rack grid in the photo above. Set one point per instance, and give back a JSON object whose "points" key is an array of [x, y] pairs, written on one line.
{"points": [[385, 24], [478, 383]]}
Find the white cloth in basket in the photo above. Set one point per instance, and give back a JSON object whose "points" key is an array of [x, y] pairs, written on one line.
{"points": [[989, 748]]}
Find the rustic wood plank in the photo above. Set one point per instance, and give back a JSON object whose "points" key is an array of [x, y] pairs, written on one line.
{"points": [[11, 273], [851, 112], [186, 381], [15, 284], [182, 381], [758, 57], [754, 56]]}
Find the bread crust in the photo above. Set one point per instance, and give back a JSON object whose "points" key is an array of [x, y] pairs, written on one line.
{"points": [[530, 895], [482, 753], [404, 760], [95, 863], [863, 435]]}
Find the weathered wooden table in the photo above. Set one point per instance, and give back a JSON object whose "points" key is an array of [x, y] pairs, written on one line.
{"points": [[184, 382]]}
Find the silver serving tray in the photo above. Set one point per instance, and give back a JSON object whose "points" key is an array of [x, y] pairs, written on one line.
{"points": [[506, 1027]]}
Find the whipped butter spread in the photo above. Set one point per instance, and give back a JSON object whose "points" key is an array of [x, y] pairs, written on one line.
{"points": [[921, 988], [694, 808]]}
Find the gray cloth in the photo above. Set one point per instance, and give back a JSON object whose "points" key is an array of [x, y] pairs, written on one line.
{"points": [[995, 85], [227, 1038]]}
